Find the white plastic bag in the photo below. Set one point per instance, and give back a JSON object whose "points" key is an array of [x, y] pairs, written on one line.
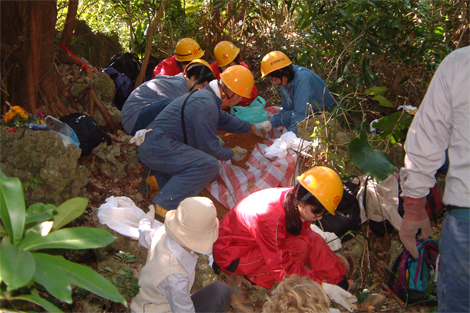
{"points": [[123, 216]]}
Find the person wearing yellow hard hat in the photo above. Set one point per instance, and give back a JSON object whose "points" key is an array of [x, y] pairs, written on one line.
{"points": [[267, 234], [299, 87], [226, 55], [186, 50], [181, 145]]}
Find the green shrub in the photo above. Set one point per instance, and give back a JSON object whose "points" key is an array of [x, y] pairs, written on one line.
{"points": [[28, 237]]}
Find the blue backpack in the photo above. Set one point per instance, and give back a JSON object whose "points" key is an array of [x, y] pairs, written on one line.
{"points": [[124, 86], [414, 274]]}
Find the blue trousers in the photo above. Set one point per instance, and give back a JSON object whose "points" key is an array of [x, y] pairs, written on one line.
{"points": [[453, 280], [149, 113], [181, 171]]}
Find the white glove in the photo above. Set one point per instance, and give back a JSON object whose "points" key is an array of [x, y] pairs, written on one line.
{"points": [[262, 128], [139, 136], [150, 214], [239, 153], [340, 296]]}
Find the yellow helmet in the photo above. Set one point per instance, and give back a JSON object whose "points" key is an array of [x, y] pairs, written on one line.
{"points": [[201, 62], [238, 79], [187, 49], [273, 61], [225, 52], [325, 185]]}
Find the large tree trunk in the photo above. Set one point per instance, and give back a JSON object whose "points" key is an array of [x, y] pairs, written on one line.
{"points": [[31, 75]]}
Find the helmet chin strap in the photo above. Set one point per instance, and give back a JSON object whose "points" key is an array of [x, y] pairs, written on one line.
{"points": [[199, 79]]}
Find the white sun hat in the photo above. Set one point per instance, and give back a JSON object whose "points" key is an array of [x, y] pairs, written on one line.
{"points": [[194, 224]]}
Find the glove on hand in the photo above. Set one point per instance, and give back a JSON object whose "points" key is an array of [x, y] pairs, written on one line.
{"points": [[139, 136], [340, 296], [239, 153], [150, 214], [261, 129], [415, 218]]}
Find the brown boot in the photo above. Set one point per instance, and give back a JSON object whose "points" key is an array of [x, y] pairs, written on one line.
{"points": [[160, 213], [240, 303], [348, 264], [373, 302]]}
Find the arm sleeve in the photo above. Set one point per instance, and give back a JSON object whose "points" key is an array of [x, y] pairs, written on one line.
{"points": [[145, 233], [270, 236], [205, 128], [428, 138], [275, 120], [164, 68], [177, 290], [232, 124], [303, 92]]}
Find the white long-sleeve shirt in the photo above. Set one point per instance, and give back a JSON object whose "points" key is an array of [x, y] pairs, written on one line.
{"points": [[442, 122], [176, 287]]}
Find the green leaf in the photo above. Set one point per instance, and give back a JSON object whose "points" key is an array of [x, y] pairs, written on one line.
{"points": [[12, 208], [34, 232], [86, 278], [39, 301], [376, 90], [68, 211], [39, 212], [72, 238], [3, 231], [370, 161], [383, 101], [16, 267], [51, 277]]}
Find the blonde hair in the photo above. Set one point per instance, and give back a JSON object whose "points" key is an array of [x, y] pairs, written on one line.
{"points": [[297, 294]]}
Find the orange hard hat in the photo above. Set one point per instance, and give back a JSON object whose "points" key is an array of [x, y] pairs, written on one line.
{"points": [[225, 52], [188, 49], [273, 61], [238, 79], [325, 184]]}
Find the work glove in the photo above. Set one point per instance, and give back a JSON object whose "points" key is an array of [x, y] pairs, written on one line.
{"points": [[261, 129], [139, 136], [150, 214], [415, 218], [340, 296], [239, 153]]}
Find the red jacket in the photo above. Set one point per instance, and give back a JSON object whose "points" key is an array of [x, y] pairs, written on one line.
{"points": [[245, 101], [167, 67], [254, 231]]}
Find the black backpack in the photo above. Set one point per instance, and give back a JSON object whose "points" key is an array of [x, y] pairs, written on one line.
{"points": [[87, 131], [126, 63], [124, 86], [347, 215], [153, 62]]}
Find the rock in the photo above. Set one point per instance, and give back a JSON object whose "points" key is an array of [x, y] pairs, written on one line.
{"points": [[47, 170]]}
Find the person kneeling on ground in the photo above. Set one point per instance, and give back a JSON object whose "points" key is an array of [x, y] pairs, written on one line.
{"points": [[181, 146], [149, 99], [267, 235], [299, 87], [168, 275], [296, 294]]}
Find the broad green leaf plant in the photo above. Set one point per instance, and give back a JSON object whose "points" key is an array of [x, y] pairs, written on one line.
{"points": [[25, 263]]}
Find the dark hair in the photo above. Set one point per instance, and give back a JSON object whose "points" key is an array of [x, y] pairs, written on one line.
{"points": [[236, 60], [291, 200], [200, 72], [285, 71], [182, 64]]}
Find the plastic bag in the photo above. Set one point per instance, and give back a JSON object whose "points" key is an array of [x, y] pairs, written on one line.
{"points": [[64, 131], [254, 113]]}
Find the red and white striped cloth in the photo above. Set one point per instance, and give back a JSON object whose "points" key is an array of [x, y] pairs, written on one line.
{"points": [[234, 183]]}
